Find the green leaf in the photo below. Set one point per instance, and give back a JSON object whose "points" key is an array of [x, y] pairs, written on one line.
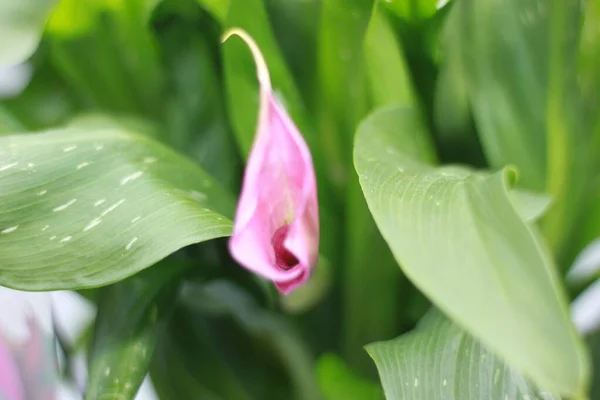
{"points": [[105, 50], [196, 112], [85, 208], [343, 99], [8, 122], [131, 317], [338, 382], [217, 8], [188, 365], [459, 239], [413, 10], [21, 26], [438, 360], [389, 77], [270, 333], [509, 104]]}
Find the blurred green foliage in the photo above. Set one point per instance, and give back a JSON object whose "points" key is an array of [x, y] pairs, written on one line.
{"points": [[446, 94]]}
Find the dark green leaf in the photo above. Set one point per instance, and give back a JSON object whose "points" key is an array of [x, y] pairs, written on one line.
{"points": [[438, 360], [105, 51], [85, 208], [271, 334], [131, 317], [467, 220]]}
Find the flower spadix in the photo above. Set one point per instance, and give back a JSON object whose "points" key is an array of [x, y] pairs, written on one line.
{"points": [[276, 228]]}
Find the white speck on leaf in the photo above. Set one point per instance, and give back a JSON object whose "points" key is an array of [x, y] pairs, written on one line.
{"points": [[99, 147], [9, 230], [107, 371], [8, 166], [416, 382], [92, 224], [128, 386], [111, 208], [136, 219], [99, 202], [65, 206], [45, 227], [437, 203], [149, 160], [83, 165], [30, 165], [131, 177], [66, 239], [401, 169], [197, 195], [70, 148], [52, 237], [445, 382], [42, 192], [131, 243]]}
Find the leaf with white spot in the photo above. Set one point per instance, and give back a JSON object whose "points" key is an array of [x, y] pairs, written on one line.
{"points": [[86, 208], [459, 237], [438, 360]]}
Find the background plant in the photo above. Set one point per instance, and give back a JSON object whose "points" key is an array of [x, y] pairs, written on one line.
{"points": [[457, 152]]}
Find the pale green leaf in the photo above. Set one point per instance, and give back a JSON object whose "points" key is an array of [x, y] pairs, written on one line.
{"points": [[21, 26], [438, 360], [460, 240], [85, 208]]}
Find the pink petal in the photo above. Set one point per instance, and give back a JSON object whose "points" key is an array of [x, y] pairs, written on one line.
{"points": [[279, 194], [36, 362], [10, 381]]}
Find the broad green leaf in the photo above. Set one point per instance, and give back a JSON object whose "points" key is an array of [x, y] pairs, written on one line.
{"points": [[438, 360], [131, 318], [86, 208], [461, 241], [271, 334], [21, 26], [338, 382]]}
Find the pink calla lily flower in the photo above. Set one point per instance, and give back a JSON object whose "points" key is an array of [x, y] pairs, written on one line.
{"points": [[276, 229], [27, 371]]}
